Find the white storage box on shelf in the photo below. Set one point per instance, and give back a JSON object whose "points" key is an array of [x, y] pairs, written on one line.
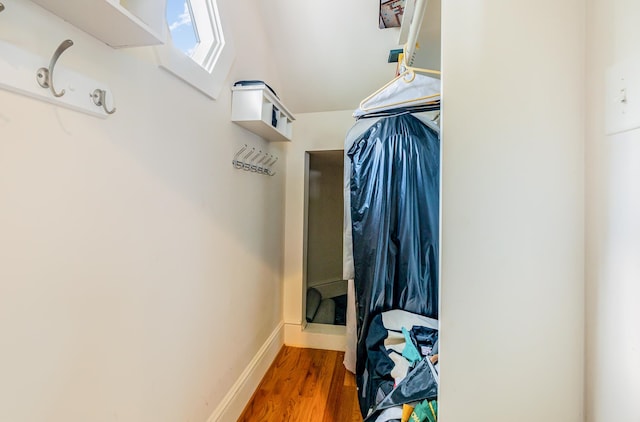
{"points": [[257, 109], [140, 23]]}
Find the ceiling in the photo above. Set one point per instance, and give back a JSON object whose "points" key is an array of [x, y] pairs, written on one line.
{"points": [[331, 54]]}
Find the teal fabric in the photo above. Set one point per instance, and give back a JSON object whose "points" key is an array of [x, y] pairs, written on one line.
{"points": [[410, 352], [432, 416], [425, 412], [421, 412]]}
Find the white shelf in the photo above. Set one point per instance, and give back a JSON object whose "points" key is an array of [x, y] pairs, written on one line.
{"points": [[138, 24], [258, 110]]}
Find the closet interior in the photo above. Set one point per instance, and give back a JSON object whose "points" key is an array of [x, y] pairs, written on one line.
{"points": [[392, 235], [326, 290]]}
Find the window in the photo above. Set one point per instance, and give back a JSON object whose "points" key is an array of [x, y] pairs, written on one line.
{"points": [[196, 49], [181, 26]]}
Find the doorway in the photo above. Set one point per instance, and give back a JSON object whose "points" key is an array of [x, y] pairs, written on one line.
{"points": [[326, 291]]}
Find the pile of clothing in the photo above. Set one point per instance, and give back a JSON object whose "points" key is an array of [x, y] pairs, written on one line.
{"points": [[401, 368]]}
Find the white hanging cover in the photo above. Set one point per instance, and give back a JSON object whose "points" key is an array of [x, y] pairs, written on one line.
{"points": [[407, 90]]}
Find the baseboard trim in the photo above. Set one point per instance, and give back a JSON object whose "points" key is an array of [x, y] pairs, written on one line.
{"points": [[232, 405]]}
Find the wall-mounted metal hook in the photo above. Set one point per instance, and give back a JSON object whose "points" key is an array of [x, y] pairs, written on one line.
{"points": [[45, 75], [237, 163], [99, 97], [246, 165], [260, 164], [252, 166], [269, 172], [272, 162], [1, 7]]}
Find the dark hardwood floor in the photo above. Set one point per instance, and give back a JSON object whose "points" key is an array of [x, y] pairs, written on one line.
{"points": [[305, 385]]}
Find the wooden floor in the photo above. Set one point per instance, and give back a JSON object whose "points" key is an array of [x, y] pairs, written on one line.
{"points": [[305, 385]]}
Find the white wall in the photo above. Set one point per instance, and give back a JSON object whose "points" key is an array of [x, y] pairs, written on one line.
{"points": [[312, 132], [512, 236], [613, 225], [139, 272]]}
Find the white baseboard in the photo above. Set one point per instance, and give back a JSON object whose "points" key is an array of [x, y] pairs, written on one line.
{"points": [[232, 405]]}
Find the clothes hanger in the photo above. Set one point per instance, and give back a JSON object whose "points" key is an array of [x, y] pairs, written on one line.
{"points": [[407, 75], [406, 68]]}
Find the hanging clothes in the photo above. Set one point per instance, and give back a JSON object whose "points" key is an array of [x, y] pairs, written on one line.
{"points": [[356, 132], [395, 183], [427, 116]]}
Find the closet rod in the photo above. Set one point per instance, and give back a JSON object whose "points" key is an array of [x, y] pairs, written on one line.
{"points": [[414, 30]]}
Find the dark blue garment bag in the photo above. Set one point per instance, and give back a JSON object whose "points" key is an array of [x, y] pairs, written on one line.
{"points": [[395, 185]]}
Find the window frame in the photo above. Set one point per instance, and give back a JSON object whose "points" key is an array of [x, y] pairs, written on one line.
{"points": [[214, 51]]}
